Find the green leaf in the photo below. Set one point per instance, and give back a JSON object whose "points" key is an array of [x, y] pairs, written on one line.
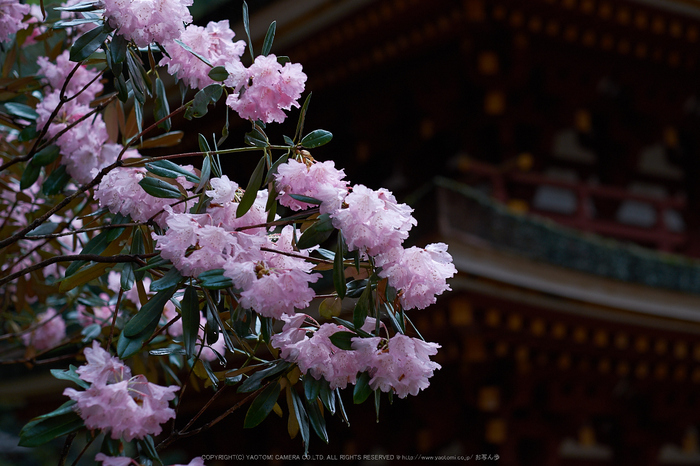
{"points": [[343, 340], [190, 319], [168, 169], [317, 233], [170, 279], [161, 109], [90, 5], [86, 44], [149, 447], [176, 350], [255, 138], [282, 59], [269, 38], [121, 87], [307, 199], [339, 268], [205, 174], [137, 248], [254, 382], [251, 191], [312, 387], [96, 245], [302, 418], [302, 117], [43, 229], [362, 307], [77, 22], [246, 26], [210, 94], [27, 134], [159, 188], [70, 375], [30, 175], [149, 314], [56, 181], [153, 262], [215, 280], [117, 48], [262, 405], [218, 73], [316, 418], [327, 396], [316, 138], [362, 389], [43, 429], [127, 278], [395, 322], [46, 155], [189, 49], [21, 111]]}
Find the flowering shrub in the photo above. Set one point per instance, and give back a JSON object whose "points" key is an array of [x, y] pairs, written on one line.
{"points": [[110, 254]]}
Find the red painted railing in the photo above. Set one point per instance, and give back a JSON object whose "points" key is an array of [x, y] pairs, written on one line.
{"points": [[659, 236]]}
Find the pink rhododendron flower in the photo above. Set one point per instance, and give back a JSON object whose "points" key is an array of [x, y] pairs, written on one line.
{"points": [[316, 355], [215, 43], [120, 192], [101, 315], [402, 365], [127, 407], [223, 213], [214, 244], [11, 15], [273, 284], [148, 21], [320, 180], [373, 222], [83, 147], [419, 274], [102, 368], [55, 75], [51, 330], [264, 89]]}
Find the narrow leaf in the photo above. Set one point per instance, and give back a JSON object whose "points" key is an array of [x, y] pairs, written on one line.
{"points": [[170, 279], [86, 44], [46, 155], [168, 169], [262, 405], [269, 39], [30, 175], [317, 233], [190, 319], [218, 73], [251, 191], [362, 389], [149, 314], [339, 268], [159, 188], [343, 340], [43, 429]]}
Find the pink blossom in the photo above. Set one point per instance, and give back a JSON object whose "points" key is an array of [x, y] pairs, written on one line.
{"points": [[264, 89], [102, 368], [49, 332], [83, 147], [101, 315], [55, 75], [402, 364], [213, 43], [148, 21], [223, 190], [419, 274], [273, 284], [373, 222], [320, 180], [316, 355], [11, 15], [120, 192], [224, 214], [129, 408]]}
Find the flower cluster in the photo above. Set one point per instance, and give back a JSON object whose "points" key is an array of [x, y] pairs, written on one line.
{"points": [[120, 192], [374, 223], [214, 43], [148, 21], [400, 364], [129, 407], [11, 14], [49, 331], [264, 89]]}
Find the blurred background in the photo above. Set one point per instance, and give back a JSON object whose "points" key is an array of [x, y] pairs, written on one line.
{"points": [[554, 145]]}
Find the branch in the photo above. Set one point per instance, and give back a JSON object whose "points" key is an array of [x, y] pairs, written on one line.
{"points": [[76, 257]]}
